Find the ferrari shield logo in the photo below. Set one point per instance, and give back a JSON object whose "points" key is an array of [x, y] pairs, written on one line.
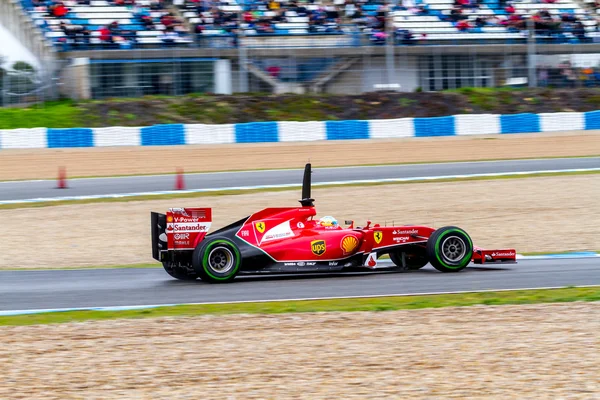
{"points": [[378, 236], [260, 226], [318, 247]]}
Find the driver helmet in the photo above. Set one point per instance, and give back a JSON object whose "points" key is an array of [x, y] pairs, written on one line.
{"points": [[328, 221]]}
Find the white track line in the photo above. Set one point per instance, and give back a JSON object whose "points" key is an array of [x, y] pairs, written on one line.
{"points": [[141, 307], [295, 185]]}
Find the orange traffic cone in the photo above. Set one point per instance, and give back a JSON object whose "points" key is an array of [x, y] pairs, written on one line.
{"points": [[179, 183], [62, 178]]}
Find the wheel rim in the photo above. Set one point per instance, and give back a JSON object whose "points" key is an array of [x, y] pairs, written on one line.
{"points": [[454, 249], [221, 260]]}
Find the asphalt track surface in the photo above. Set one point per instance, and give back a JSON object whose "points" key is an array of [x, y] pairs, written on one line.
{"points": [[30, 290], [10, 191]]}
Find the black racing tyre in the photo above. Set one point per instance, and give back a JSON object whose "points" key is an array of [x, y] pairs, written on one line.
{"points": [[414, 257], [179, 273], [217, 260], [449, 249]]}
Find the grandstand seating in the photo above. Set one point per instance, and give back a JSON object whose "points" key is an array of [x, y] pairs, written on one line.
{"points": [[101, 13], [434, 23]]}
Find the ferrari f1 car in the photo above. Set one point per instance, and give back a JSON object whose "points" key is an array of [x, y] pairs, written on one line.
{"points": [[290, 240]]}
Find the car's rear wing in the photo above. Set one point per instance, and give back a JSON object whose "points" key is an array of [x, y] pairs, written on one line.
{"points": [[179, 229]]}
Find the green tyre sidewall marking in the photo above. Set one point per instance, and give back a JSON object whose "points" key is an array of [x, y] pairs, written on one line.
{"points": [[437, 249], [207, 252]]}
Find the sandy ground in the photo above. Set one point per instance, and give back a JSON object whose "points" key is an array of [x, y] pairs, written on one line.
{"points": [[533, 214], [44, 163], [526, 352]]}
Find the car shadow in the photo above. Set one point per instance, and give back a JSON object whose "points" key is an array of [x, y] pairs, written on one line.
{"points": [[335, 275]]}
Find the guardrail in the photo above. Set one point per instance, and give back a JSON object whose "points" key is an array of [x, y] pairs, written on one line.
{"points": [[265, 132], [230, 40]]}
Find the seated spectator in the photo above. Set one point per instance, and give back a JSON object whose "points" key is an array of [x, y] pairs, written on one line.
{"points": [[463, 26], [58, 10], [106, 35], [264, 27], [169, 35]]}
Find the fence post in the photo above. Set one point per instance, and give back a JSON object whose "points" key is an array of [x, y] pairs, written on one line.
{"points": [[243, 62], [531, 61], [389, 48]]}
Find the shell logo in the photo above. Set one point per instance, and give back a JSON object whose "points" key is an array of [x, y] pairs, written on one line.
{"points": [[349, 244], [169, 218]]}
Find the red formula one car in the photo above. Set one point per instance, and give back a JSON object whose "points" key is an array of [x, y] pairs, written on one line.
{"points": [[290, 240]]}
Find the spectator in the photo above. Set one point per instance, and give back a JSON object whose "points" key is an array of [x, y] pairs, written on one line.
{"points": [[59, 10]]}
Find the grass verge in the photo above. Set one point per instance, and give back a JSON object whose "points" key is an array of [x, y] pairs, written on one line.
{"points": [[534, 296], [289, 188]]}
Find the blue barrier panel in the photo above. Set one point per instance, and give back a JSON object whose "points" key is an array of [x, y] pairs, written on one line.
{"points": [[347, 130], [434, 126], [256, 132], [163, 135], [592, 120], [519, 123], [74, 137]]}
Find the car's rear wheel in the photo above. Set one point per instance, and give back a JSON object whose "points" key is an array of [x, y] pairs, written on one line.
{"points": [[217, 260], [449, 249], [414, 258], [179, 272]]}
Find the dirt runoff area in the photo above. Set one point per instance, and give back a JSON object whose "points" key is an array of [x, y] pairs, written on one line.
{"points": [[531, 215], [110, 161], [528, 352]]}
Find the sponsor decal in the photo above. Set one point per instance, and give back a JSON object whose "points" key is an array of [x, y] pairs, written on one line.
{"points": [[280, 231], [371, 260], [260, 226], [311, 263], [318, 247], [349, 243], [289, 264], [300, 225], [348, 264], [401, 239], [169, 227], [182, 236], [196, 214], [301, 264], [333, 263], [275, 236], [405, 232], [245, 233], [190, 227], [504, 254], [378, 236], [169, 219]]}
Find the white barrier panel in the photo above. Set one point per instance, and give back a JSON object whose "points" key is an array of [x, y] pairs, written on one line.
{"points": [[290, 131], [477, 124], [391, 128], [117, 136], [34, 138], [564, 121], [209, 134]]}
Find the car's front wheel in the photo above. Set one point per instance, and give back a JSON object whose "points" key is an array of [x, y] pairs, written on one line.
{"points": [[217, 260], [449, 249]]}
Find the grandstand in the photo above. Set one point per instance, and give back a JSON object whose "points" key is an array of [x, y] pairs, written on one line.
{"points": [[298, 46]]}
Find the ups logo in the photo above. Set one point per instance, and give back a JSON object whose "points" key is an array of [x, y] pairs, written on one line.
{"points": [[318, 247]]}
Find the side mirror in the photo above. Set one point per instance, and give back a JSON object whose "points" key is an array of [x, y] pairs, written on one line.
{"points": [[349, 222], [368, 224]]}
